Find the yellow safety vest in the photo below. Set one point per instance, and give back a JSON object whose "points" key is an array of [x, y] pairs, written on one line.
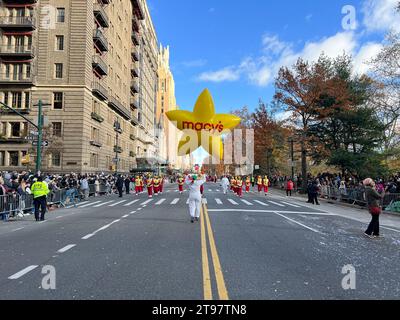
{"points": [[39, 189]]}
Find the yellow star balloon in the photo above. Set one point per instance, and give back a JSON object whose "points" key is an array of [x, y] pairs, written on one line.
{"points": [[203, 127]]}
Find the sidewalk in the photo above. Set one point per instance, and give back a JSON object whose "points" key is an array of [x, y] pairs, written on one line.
{"points": [[344, 210]]}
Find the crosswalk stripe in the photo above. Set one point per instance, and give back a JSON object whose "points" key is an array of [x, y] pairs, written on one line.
{"points": [[262, 203], [146, 202], [160, 202], [217, 190], [292, 205], [209, 190], [233, 202], [82, 203], [175, 201], [89, 204], [246, 202], [115, 204], [218, 201], [102, 204], [276, 203], [131, 203], [187, 201]]}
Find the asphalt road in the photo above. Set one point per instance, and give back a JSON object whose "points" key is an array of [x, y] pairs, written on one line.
{"points": [[252, 248]]}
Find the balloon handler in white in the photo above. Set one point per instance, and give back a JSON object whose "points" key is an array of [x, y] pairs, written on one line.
{"points": [[194, 183]]}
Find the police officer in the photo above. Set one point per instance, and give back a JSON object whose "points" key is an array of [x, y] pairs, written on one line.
{"points": [[40, 191]]}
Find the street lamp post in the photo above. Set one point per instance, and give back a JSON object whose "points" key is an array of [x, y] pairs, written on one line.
{"points": [[39, 128]]}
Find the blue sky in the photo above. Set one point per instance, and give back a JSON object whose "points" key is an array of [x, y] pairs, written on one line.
{"points": [[234, 48]]}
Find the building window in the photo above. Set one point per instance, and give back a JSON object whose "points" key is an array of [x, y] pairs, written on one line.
{"points": [[61, 15], [2, 158], [7, 70], [5, 98], [58, 100], [14, 158], [15, 129], [60, 43], [93, 160], [108, 140], [57, 129], [56, 159], [27, 100], [95, 134], [17, 100], [58, 70]]}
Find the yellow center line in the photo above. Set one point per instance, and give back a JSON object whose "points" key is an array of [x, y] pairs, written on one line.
{"points": [[222, 292], [206, 269]]}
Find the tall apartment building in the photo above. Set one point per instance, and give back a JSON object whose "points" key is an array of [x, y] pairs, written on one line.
{"points": [[166, 101], [88, 61]]}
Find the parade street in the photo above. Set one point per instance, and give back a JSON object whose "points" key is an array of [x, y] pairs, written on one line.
{"points": [[256, 247]]}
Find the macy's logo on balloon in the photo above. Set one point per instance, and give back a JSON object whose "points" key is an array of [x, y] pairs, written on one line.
{"points": [[199, 126]]}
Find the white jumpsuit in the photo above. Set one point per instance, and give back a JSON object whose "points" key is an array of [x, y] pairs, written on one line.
{"points": [[194, 196], [225, 184]]}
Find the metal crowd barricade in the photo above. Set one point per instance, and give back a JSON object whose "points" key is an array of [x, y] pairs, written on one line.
{"points": [[13, 204], [389, 199]]}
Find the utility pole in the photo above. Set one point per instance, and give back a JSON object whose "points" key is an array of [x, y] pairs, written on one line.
{"points": [[40, 138]]}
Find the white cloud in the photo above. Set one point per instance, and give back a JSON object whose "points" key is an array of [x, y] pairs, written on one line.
{"points": [[262, 69], [365, 55], [380, 15], [225, 74]]}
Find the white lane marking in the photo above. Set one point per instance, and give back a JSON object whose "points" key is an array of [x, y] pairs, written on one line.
{"points": [[246, 202], [276, 203], [209, 190], [133, 212], [175, 201], [88, 236], [176, 191], [125, 216], [233, 202], [218, 201], [22, 272], [102, 204], [292, 205], [18, 229], [204, 201], [139, 209], [390, 229], [42, 221], [187, 201], [115, 204], [146, 202], [160, 202], [131, 203], [115, 221], [273, 211], [217, 190], [66, 248], [82, 203], [59, 217], [262, 203], [103, 228], [303, 225], [90, 204]]}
